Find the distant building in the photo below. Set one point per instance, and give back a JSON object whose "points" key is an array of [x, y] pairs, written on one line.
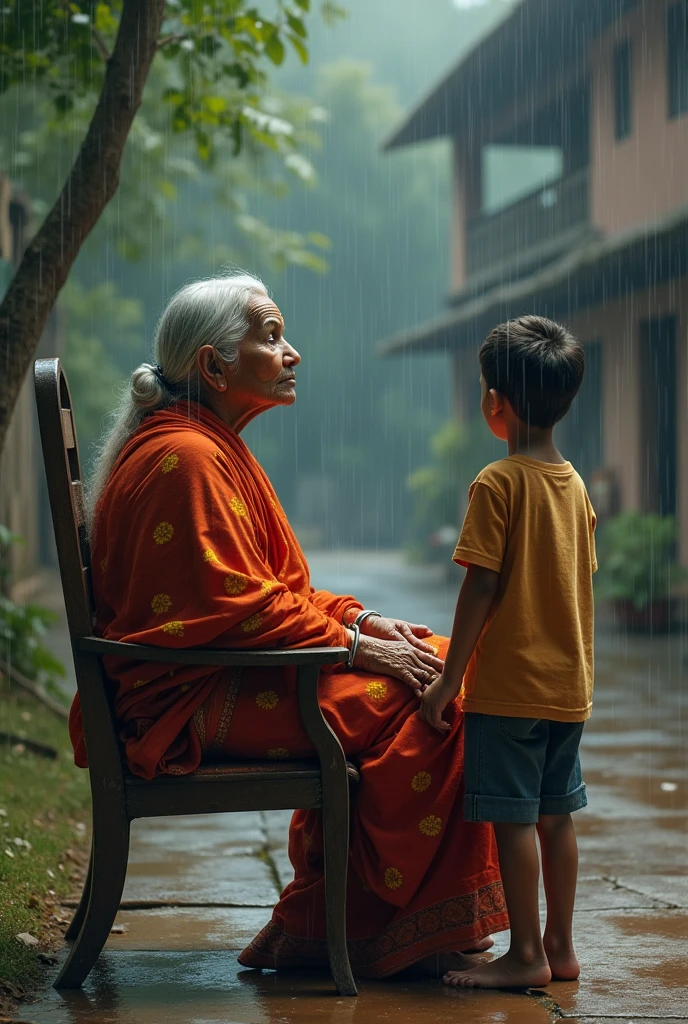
{"points": [[602, 247], [23, 494]]}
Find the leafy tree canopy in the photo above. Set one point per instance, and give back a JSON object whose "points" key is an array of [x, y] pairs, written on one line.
{"points": [[215, 57], [219, 52]]}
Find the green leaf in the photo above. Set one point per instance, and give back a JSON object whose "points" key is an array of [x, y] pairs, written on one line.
{"points": [[305, 5], [299, 47], [274, 48], [297, 26], [319, 240], [215, 104], [332, 12]]}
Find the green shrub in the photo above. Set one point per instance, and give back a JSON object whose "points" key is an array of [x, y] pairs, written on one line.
{"points": [[637, 559], [22, 628], [440, 490]]}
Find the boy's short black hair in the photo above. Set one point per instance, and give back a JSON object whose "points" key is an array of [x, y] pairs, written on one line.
{"points": [[537, 364]]}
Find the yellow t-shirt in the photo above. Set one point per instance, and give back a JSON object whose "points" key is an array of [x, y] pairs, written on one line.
{"points": [[532, 522]]}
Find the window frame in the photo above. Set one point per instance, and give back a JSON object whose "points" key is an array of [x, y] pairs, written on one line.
{"points": [[676, 25], [623, 89]]}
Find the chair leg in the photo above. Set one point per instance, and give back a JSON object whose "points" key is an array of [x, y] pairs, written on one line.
{"points": [[335, 815], [80, 912], [109, 855]]}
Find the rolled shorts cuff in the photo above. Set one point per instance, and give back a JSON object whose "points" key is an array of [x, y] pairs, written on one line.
{"points": [[518, 810], [566, 804]]}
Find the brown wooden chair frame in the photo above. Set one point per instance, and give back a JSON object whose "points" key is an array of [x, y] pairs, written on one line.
{"points": [[117, 796]]}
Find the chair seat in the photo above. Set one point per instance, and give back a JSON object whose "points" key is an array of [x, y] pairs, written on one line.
{"points": [[254, 771]]}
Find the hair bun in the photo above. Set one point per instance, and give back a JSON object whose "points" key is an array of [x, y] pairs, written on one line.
{"points": [[147, 391]]}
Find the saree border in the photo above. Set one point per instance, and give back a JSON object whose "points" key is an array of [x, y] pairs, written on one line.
{"points": [[227, 712], [434, 929]]}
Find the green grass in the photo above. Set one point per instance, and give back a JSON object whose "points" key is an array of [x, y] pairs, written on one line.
{"points": [[46, 803]]}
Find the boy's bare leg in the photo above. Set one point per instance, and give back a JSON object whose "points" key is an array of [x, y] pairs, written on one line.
{"points": [[525, 965], [559, 871]]}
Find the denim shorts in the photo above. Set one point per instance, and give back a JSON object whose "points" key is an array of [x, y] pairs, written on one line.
{"points": [[519, 768]]}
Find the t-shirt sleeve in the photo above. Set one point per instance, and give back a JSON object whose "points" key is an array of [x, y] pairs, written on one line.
{"points": [[484, 532]]}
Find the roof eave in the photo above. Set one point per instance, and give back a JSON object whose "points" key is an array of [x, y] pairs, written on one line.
{"points": [[443, 333]]}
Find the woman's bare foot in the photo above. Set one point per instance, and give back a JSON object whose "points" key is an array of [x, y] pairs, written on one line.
{"points": [[481, 946], [439, 964], [562, 961], [506, 972]]}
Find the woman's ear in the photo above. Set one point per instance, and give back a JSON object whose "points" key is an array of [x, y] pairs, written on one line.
{"points": [[211, 368]]}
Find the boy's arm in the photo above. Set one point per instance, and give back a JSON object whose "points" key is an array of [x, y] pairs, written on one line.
{"points": [[472, 608]]}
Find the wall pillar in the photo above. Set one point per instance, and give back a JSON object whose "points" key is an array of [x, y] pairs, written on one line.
{"points": [[466, 202], [621, 397]]}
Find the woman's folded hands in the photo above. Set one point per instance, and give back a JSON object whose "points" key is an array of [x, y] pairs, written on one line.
{"points": [[417, 666], [398, 629]]}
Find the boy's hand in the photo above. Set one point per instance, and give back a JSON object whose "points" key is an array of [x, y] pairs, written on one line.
{"points": [[433, 702]]}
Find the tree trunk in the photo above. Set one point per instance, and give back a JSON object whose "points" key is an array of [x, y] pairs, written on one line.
{"points": [[91, 184]]}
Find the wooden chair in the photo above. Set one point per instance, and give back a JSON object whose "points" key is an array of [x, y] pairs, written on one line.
{"points": [[118, 796]]}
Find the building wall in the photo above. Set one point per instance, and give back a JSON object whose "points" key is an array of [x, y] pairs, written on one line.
{"points": [[618, 326], [643, 176]]}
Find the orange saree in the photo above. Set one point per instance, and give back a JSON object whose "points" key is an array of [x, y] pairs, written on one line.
{"points": [[190, 548]]}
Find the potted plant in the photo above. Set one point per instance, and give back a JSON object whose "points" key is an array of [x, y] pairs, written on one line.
{"points": [[638, 570]]}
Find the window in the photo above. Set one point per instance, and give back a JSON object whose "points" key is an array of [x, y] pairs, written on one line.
{"points": [[677, 58], [622, 90]]}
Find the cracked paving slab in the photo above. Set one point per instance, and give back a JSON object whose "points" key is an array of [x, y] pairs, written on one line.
{"points": [[201, 859], [634, 964]]}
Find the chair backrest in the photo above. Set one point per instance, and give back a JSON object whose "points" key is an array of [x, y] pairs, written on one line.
{"points": [[65, 490]]}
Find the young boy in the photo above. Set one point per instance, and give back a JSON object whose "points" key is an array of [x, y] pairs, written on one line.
{"points": [[522, 643]]}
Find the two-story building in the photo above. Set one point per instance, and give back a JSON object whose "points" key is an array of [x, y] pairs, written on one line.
{"points": [[603, 246]]}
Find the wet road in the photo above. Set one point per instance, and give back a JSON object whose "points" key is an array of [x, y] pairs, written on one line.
{"points": [[199, 888]]}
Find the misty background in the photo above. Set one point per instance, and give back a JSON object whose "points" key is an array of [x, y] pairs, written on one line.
{"points": [[353, 245]]}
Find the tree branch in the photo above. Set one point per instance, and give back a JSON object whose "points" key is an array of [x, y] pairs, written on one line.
{"points": [[36, 691], [91, 184], [100, 43], [173, 37]]}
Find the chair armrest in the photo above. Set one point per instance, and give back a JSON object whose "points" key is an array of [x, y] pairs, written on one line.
{"points": [[212, 656]]}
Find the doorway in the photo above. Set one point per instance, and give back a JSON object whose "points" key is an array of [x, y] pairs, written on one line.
{"points": [[658, 366]]}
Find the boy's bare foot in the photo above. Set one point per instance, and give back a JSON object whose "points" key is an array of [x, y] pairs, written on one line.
{"points": [[438, 964], [562, 961], [506, 972], [481, 946]]}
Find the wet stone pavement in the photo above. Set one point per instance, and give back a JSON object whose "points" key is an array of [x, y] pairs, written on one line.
{"points": [[199, 888]]}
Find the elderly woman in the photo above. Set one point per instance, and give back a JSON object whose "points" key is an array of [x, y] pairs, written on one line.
{"points": [[191, 547]]}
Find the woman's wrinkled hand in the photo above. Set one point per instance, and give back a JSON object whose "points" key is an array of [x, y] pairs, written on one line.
{"points": [[397, 629], [397, 658]]}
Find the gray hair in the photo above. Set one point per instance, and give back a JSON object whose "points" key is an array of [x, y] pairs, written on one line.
{"points": [[214, 311]]}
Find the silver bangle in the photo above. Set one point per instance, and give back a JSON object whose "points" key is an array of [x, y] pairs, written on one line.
{"points": [[354, 646], [362, 616]]}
